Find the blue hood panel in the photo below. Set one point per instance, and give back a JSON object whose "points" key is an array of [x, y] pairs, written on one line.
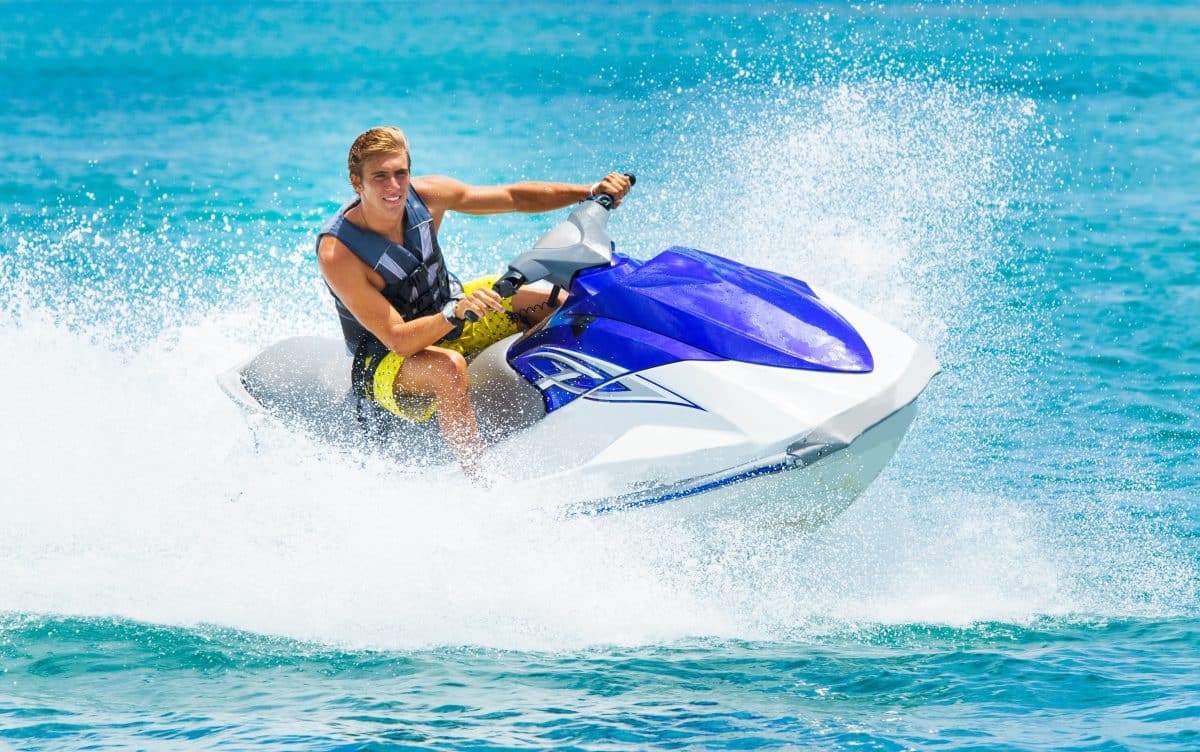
{"points": [[731, 310]]}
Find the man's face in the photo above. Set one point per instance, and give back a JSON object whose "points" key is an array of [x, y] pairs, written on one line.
{"points": [[384, 182]]}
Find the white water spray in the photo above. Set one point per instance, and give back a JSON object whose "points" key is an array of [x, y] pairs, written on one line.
{"points": [[130, 486]]}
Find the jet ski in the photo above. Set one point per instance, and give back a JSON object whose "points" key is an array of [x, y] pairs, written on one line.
{"points": [[687, 384]]}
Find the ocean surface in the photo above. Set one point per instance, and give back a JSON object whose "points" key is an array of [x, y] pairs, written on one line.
{"points": [[1016, 184]]}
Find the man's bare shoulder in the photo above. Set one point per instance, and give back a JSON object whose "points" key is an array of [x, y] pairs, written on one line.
{"points": [[437, 184], [334, 255], [439, 192]]}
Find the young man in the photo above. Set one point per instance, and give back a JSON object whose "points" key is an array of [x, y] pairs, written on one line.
{"points": [[402, 314]]}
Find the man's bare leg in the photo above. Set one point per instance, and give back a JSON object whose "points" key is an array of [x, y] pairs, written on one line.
{"points": [[533, 305], [441, 373]]}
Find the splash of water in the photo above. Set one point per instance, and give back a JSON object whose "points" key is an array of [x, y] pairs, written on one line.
{"points": [[132, 488]]}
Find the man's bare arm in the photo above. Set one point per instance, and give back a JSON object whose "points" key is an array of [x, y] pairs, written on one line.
{"points": [[347, 275], [447, 194]]}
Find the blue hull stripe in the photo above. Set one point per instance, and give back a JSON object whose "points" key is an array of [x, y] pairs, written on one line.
{"points": [[617, 505]]}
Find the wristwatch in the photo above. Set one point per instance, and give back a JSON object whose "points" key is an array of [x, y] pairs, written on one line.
{"points": [[449, 315]]}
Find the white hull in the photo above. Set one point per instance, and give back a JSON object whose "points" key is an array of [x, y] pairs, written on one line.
{"points": [[784, 490]]}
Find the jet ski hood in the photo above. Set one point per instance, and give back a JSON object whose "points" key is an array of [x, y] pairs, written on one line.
{"points": [[725, 308]]}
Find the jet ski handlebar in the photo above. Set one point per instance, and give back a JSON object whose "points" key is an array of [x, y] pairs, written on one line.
{"points": [[505, 287], [580, 242]]}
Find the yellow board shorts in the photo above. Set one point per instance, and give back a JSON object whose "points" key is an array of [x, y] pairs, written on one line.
{"points": [[376, 368]]}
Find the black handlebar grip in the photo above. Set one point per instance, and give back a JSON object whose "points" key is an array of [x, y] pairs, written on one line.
{"points": [[505, 287]]}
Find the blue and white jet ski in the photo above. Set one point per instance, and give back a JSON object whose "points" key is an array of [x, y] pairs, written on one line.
{"points": [[687, 382]]}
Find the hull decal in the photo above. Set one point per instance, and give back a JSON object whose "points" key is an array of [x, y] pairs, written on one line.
{"points": [[598, 380]]}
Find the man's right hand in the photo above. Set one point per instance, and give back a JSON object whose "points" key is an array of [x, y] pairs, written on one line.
{"points": [[481, 302]]}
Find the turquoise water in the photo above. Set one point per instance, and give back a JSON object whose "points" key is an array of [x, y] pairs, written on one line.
{"points": [[1015, 184]]}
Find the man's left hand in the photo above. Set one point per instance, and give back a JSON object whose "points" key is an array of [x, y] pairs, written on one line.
{"points": [[614, 184]]}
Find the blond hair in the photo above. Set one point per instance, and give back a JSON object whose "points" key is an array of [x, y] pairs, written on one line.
{"points": [[386, 139]]}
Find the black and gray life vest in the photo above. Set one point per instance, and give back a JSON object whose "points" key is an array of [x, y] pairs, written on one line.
{"points": [[416, 282]]}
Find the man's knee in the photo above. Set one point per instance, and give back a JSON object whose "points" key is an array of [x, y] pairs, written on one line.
{"points": [[451, 368]]}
